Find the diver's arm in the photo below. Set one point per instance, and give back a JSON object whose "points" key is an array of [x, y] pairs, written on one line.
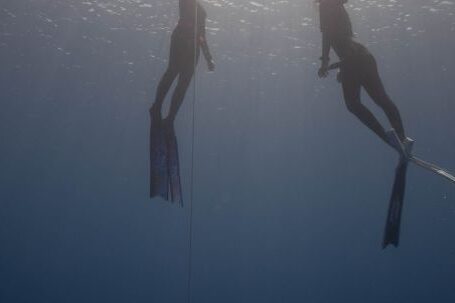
{"points": [[323, 71], [205, 48], [325, 59], [206, 53]]}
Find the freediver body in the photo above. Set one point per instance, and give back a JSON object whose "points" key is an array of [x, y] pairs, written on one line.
{"points": [[187, 40], [358, 69]]}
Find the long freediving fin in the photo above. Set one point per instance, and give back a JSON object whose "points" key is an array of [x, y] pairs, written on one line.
{"points": [[433, 168], [393, 222], [392, 229], [159, 178], [405, 151], [175, 186]]}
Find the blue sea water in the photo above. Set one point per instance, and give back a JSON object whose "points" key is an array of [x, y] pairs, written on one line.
{"points": [[290, 191]]}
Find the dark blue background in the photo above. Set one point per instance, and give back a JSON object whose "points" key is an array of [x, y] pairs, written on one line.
{"points": [[290, 190]]}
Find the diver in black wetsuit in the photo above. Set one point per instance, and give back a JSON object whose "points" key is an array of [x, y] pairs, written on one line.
{"points": [[188, 38], [357, 69]]}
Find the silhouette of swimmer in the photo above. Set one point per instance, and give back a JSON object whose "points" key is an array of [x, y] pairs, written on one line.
{"points": [[187, 39], [357, 69]]}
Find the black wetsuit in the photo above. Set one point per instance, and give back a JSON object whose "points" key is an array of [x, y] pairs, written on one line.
{"points": [[186, 42], [358, 68]]}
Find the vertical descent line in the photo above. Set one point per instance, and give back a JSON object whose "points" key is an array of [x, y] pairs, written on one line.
{"points": [[190, 228]]}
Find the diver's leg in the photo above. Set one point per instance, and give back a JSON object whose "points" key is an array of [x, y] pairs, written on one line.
{"points": [[169, 76], [374, 87], [179, 93], [351, 91], [164, 86]]}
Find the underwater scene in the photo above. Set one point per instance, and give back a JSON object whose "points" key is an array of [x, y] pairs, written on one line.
{"points": [[228, 151]]}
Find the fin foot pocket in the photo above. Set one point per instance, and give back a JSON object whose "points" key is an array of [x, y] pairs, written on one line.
{"points": [[403, 148]]}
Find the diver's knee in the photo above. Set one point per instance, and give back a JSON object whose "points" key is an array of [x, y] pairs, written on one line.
{"points": [[353, 107], [171, 71], [185, 79]]}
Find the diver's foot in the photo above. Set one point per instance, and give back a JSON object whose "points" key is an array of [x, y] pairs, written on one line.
{"points": [[408, 144], [394, 141]]}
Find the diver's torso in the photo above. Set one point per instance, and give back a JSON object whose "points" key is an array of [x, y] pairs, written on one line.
{"points": [[336, 25], [191, 20], [349, 50]]}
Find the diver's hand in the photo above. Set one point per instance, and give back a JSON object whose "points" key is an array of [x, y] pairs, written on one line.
{"points": [[323, 71], [211, 65]]}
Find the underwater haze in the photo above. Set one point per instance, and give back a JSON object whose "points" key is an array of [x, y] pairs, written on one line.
{"points": [[288, 191]]}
